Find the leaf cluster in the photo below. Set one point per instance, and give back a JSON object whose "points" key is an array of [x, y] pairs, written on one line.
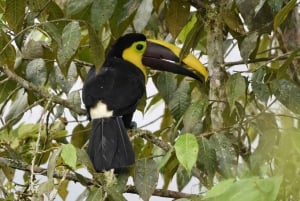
{"points": [[47, 47]]}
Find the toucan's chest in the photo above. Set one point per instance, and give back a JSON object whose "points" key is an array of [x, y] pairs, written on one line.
{"points": [[118, 85]]}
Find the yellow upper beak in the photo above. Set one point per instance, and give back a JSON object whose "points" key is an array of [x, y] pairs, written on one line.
{"points": [[190, 60]]}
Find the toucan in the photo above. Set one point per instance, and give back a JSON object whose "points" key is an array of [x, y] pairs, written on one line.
{"points": [[112, 93]]}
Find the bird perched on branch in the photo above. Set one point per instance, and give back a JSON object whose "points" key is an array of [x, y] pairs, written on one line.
{"points": [[112, 94]]}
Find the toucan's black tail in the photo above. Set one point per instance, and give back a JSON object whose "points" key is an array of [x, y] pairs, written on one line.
{"points": [[109, 146]]}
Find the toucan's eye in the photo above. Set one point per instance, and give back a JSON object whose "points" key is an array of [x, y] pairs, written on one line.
{"points": [[139, 47]]}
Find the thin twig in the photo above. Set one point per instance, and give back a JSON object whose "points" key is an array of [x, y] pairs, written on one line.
{"points": [[265, 59], [37, 143]]}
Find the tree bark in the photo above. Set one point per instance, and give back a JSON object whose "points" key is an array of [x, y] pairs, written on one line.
{"points": [[215, 51]]}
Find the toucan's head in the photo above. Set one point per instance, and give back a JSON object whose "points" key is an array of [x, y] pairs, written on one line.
{"points": [[156, 54]]}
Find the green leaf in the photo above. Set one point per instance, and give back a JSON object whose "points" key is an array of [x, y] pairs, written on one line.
{"points": [[69, 156], [97, 48], [58, 80], [76, 6], [166, 85], [114, 193], [120, 185], [207, 159], [26, 131], [127, 10], [191, 41], [246, 189], [62, 190], [288, 94], [16, 110], [34, 49], [101, 11], [84, 159], [156, 5], [186, 149], [226, 155], [14, 14], [180, 101], [295, 139], [268, 130], [193, 116], [153, 102], [169, 169], [46, 188], [8, 172], [36, 7], [284, 67], [36, 72], [183, 199], [95, 194], [71, 78], [83, 195], [260, 89], [7, 51], [165, 159], [256, 15], [80, 135], [248, 45], [6, 89], [182, 178], [183, 35], [70, 40], [234, 22], [145, 177], [53, 162], [123, 16], [275, 5], [146, 151], [74, 98], [53, 11], [283, 13], [219, 189], [235, 89], [177, 15], [193, 36], [143, 15], [53, 31]]}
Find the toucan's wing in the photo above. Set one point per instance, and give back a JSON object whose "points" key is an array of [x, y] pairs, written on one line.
{"points": [[118, 84]]}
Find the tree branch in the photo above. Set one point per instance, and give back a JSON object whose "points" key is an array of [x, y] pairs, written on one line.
{"points": [[162, 193], [147, 135], [41, 91], [19, 165]]}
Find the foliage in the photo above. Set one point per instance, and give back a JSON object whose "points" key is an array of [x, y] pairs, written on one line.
{"points": [[47, 47]]}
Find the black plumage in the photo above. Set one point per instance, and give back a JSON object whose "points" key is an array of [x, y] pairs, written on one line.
{"points": [[119, 85]]}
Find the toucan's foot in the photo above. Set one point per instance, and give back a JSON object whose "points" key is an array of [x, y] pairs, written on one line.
{"points": [[120, 171], [133, 125]]}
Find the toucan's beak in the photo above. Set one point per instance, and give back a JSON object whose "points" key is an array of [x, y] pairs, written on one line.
{"points": [[164, 56]]}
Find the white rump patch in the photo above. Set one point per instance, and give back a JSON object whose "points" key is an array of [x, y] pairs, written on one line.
{"points": [[100, 111]]}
